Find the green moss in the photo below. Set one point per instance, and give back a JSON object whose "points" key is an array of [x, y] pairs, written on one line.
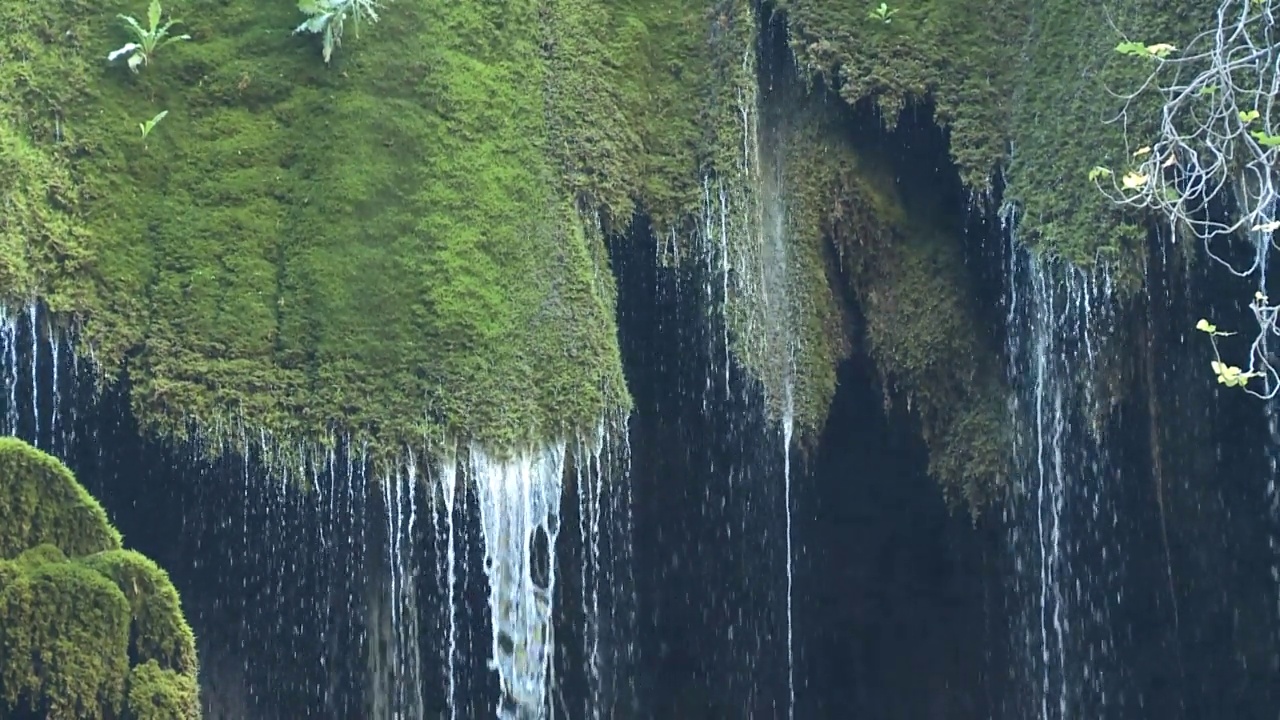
{"points": [[819, 317], [906, 270], [156, 693], [383, 247], [64, 641], [76, 611], [1041, 78], [34, 231], [960, 54], [43, 504], [1061, 129], [159, 631], [643, 95]]}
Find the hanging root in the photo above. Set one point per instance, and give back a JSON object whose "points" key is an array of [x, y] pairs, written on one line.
{"points": [[1209, 165]]}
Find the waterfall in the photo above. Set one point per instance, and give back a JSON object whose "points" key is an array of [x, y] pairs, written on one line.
{"points": [[1062, 516], [788, 423], [397, 667], [1262, 248], [447, 570], [520, 519], [9, 358], [589, 477]]}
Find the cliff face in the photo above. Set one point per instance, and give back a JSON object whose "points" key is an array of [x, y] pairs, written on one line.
{"points": [[409, 245]]}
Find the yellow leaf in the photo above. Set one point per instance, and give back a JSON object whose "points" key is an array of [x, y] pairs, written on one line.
{"points": [[1142, 151], [1133, 181], [1160, 49]]}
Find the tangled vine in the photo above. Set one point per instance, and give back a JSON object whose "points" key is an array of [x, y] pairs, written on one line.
{"points": [[1210, 166]]}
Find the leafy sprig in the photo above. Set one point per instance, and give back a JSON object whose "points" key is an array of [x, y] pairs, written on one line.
{"points": [[149, 39]]}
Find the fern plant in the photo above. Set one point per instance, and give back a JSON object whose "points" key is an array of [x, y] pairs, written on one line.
{"points": [[327, 17], [149, 40]]}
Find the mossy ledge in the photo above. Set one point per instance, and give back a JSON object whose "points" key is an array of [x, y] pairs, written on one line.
{"points": [[87, 629], [408, 246], [1022, 87], [380, 249]]}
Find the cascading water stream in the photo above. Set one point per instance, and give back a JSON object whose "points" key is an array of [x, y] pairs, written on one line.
{"points": [[1062, 516], [788, 425], [448, 570], [1262, 247], [520, 519], [9, 352]]}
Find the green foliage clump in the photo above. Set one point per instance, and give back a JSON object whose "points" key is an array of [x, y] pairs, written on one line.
{"points": [[160, 631], [328, 18], [42, 504], [87, 630], [149, 39], [158, 693], [64, 639]]}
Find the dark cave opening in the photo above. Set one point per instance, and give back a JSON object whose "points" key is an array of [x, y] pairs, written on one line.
{"points": [[892, 584]]}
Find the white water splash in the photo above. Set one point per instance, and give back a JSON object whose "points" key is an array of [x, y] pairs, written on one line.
{"points": [[520, 510]]}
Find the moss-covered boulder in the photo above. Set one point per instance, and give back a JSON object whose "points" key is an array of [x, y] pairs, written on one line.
{"points": [[42, 504], [156, 693], [160, 633], [64, 639], [87, 629]]}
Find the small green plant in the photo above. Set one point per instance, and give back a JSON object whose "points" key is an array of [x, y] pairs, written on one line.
{"points": [[327, 18], [148, 126], [882, 13], [1137, 49], [148, 40], [1229, 375]]}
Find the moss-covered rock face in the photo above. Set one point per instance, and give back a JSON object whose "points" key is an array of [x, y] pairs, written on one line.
{"points": [[906, 269], [382, 246], [87, 630], [1036, 77], [960, 54], [1062, 123]]}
